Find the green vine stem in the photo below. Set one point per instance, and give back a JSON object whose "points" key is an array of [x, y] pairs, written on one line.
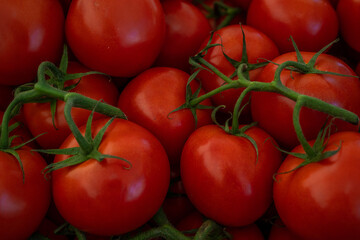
{"points": [[277, 87], [42, 90]]}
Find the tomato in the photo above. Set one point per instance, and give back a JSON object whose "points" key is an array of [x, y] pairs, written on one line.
{"points": [[312, 24], [280, 232], [119, 37], [250, 232], [23, 205], [154, 94], [28, 37], [176, 204], [186, 29], [274, 112], [38, 115], [349, 17], [322, 200], [259, 47], [223, 177], [106, 198]]}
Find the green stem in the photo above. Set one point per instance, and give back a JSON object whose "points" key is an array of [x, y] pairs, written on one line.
{"points": [[23, 97], [297, 126], [214, 70], [236, 113], [84, 145]]}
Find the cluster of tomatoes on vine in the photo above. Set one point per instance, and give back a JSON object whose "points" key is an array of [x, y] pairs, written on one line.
{"points": [[179, 119]]}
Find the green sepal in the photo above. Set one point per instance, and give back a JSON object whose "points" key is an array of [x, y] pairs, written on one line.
{"points": [[16, 155], [53, 106]]}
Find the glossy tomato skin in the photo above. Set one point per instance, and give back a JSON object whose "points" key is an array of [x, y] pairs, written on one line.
{"points": [[105, 198], [312, 24], [118, 37], [38, 115], [349, 17], [259, 47], [223, 177], [322, 200], [28, 37], [186, 28], [23, 205], [274, 112], [154, 94]]}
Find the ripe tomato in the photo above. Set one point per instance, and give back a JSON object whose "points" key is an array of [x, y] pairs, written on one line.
{"points": [[104, 198], [312, 24], [154, 94], [186, 29], [258, 46], [274, 112], [23, 205], [118, 37], [322, 200], [349, 17], [28, 37], [279, 231], [223, 177], [38, 115]]}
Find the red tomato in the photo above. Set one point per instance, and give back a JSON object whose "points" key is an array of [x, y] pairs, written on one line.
{"points": [[322, 200], [38, 115], [30, 32], [223, 177], [177, 205], [280, 232], [186, 29], [118, 37], [258, 46], [250, 232], [190, 222], [274, 112], [23, 205], [154, 94], [312, 24], [105, 198], [349, 17]]}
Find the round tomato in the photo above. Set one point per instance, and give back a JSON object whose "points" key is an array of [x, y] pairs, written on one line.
{"points": [[30, 32], [322, 200], [38, 115], [312, 24], [274, 112], [23, 205], [279, 231], [258, 46], [112, 197], [154, 94], [118, 37], [349, 16], [186, 29], [223, 176]]}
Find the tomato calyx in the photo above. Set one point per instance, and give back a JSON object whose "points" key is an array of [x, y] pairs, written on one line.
{"points": [[88, 146], [218, 11], [314, 153]]}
